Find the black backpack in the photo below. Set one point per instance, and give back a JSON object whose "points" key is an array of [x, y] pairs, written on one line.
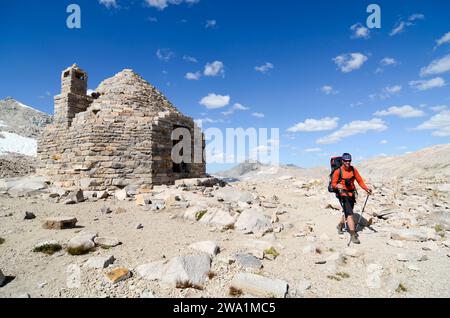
{"points": [[336, 163]]}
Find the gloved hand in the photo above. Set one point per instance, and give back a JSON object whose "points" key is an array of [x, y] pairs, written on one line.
{"points": [[369, 191]]}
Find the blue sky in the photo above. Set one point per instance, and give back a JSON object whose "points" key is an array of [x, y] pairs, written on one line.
{"points": [[310, 68]]}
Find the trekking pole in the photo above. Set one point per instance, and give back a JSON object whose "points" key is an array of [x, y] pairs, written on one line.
{"points": [[360, 216]]}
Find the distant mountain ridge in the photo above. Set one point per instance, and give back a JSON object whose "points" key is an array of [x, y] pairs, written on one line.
{"points": [[20, 126], [431, 162]]}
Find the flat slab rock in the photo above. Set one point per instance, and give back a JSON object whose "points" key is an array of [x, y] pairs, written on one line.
{"points": [[59, 223], [261, 286], [118, 274]]}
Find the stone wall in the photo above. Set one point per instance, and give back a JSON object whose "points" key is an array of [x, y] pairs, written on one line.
{"points": [[121, 138]]}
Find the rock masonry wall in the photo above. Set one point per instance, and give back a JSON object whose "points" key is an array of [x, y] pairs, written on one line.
{"points": [[119, 137]]}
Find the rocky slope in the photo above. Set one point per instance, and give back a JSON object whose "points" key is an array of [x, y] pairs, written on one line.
{"points": [[20, 126]]}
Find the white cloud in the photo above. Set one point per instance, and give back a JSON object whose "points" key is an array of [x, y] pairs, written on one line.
{"points": [[402, 25], [162, 4], [235, 107], [437, 66], [358, 103], [213, 101], [214, 69], [193, 76], [350, 62], [210, 24], [309, 125], [152, 19], [428, 84], [393, 89], [164, 54], [360, 31], [328, 90], [444, 39], [439, 108], [264, 68], [258, 115], [383, 142], [313, 149], [108, 3], [388, 61], [405, 111], [191, 59], [353, 128], [440, 123]]}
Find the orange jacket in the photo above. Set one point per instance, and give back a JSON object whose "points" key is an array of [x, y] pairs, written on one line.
{"points": [[347, 174]]}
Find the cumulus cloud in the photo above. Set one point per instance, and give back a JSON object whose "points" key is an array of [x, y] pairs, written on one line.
{"points": [[235, 107], [266, 67], [437, 66], [215, 68], [108, 3], [443, 40], [388, 61], [164, 55], [405, 111], [193, 76], [383, 142], [424, 85], [327, 123], [401, 26], [440, 123], [350, 62], [329, 90], [210, 24], [213, 101], [360, 31], [353, 128], [258, 115], [162, 4]]}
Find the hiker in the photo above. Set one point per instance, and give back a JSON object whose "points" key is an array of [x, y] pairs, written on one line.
{"points": [[343, 183]]}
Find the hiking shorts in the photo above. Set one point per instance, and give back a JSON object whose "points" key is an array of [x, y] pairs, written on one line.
{"points": [[347, 204]]}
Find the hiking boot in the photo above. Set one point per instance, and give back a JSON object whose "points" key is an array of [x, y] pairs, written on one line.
{"points": [[355, 239], [340, 228]]}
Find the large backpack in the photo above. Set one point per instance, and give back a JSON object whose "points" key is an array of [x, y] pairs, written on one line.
{"points": [[335, 163]]}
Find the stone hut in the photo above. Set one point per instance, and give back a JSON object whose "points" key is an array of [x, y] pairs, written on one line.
{"points": [[120, 135]]}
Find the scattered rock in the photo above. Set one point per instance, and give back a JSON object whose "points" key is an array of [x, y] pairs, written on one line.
{"points": [[147, 294], [248, 261], [75, 197], [373, 280], [187, 271], [29, 215], [394, 243], [151, 271], [118, 274], [59, 223], [232, 194], [413, 267], [251, 221], [208, 247], [105, 210], [121, 194], [143, 199], [217, 217], [82, 243], [409, 235], [106, 241], [258, 285], [139, 226], [100, 261]]}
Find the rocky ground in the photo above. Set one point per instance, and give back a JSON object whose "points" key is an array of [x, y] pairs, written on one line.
{"points": [[271, 238]]}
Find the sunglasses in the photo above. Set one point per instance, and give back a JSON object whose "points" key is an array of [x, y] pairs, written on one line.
{"points": [[346, 160]]}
